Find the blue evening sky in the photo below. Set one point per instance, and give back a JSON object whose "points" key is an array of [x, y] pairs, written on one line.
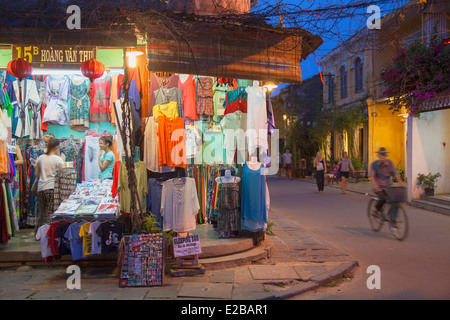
{"points": [[341, 27]]}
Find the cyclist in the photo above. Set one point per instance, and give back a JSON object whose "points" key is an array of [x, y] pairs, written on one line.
{"points": [[381, 172]]}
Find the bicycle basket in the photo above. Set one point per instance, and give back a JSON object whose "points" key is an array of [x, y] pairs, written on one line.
{"points": [[396, 194]]}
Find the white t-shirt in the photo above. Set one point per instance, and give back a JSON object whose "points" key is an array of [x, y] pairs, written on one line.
{"points": [[41, 234], [96, 239], [287, 158], [47, 168]]}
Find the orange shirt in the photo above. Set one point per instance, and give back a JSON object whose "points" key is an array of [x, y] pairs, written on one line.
{"points": [[172, 142]]}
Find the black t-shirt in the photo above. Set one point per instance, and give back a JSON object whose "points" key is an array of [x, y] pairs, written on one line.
{"points": [[64, 245], [111, 233]]}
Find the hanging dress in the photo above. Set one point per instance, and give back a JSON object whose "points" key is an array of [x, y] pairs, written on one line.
{"points": [[79, 104], [29, 97], [257, 125], [58, 91], [205, 96], [253, 199], [100, 91], [189, 97]]}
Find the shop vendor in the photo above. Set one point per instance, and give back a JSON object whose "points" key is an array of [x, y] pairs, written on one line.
{"points": [[106, 158]]}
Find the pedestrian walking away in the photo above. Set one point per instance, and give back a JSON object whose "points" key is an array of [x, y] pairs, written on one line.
{"points": [[280, 164], [346, 165], [287, 157], [380, 173], [321, 169]]}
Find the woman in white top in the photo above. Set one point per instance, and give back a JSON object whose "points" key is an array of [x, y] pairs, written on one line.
{"points": [[45, 171]]}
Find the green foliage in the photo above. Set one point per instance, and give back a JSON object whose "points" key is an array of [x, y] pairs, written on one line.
{"points": [[401, 173], [429, 180], [357, 164], [417, 74], [269, 231], [150, 225]]}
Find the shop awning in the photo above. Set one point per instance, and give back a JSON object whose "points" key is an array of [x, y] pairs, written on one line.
{"points": [[205, 46]]}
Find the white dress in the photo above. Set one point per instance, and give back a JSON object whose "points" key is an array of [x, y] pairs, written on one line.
{"points": [[256, 119], [57, 109], [30, 99], [235, 125]]}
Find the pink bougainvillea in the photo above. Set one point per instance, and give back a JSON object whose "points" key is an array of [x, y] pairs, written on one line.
{"points": [[417, 74]]}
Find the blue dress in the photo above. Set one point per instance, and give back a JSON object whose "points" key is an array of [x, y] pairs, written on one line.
{"points": [[79, 104], [253, 199]]}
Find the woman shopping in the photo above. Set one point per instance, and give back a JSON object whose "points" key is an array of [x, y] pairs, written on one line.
{"points": [[321, 169], [106, 158], [346, 165], [45, 171]]}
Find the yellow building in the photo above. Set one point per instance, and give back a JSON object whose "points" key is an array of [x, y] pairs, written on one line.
{"points": [[353, 79]]}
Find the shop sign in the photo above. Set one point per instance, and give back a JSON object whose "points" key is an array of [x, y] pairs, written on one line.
{"points": [[66, 57], [186, 246]]}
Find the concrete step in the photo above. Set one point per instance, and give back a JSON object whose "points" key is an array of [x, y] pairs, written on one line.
{"points": [[432, 206], [224, 247], [239, 259], [441, 199]]}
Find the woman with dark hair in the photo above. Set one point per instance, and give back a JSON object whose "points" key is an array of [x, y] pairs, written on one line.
{"points": [[106, 158], [45, 171]]}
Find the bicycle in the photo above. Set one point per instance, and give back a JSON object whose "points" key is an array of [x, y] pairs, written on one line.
{"points": [[377, 218]]}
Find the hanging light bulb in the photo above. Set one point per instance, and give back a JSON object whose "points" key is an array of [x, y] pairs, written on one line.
{"points": [[270, 86], [132, 58]]}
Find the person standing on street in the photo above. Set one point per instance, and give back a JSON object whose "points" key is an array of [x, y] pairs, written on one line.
{"points": [[346, 165], [287, 159], [380, 173], [321, 169], [280, 164]]}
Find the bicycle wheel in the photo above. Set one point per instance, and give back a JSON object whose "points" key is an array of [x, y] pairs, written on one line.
{"points": [[375, 218], [401, 232]]}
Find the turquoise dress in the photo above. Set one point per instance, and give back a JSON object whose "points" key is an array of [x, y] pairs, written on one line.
{"points": [[79, 104], [253, 199]]}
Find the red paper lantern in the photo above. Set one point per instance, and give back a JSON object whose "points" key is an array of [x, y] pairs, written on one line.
{"points": [[20, 68], [92, 69]]}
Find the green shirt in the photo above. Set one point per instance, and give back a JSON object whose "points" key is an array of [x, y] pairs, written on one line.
{"points": [[108, 172]]}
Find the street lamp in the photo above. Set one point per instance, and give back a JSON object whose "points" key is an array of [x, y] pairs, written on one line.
{"points": [[270, 86]]}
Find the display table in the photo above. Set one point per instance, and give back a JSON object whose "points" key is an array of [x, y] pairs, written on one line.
{"points": [[89, 201]]}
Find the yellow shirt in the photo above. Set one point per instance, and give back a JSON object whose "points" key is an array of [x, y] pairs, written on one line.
{"points": [[169, 110], [87, 239]]}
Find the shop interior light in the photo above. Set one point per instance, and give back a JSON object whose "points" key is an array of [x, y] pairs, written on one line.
{"points": [[270, 86], [132, 57]]}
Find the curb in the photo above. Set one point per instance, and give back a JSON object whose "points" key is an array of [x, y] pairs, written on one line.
{"points": [[314, 283], [348, 190]]}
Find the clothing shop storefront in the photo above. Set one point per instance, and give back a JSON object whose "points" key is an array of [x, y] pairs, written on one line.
{"points": [[201, 131]]}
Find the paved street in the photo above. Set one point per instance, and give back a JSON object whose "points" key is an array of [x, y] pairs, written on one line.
{"points": [[418, 268], [315, 236]]}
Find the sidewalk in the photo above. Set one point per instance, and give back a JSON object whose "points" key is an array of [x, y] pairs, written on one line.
{"points": [[299, 263], [362, 187]]}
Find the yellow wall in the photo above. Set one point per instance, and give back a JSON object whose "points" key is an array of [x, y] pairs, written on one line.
{"points": [[386, 130]]}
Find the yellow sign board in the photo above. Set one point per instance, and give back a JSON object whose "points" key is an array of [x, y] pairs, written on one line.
{"points": [[54, 56]]}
